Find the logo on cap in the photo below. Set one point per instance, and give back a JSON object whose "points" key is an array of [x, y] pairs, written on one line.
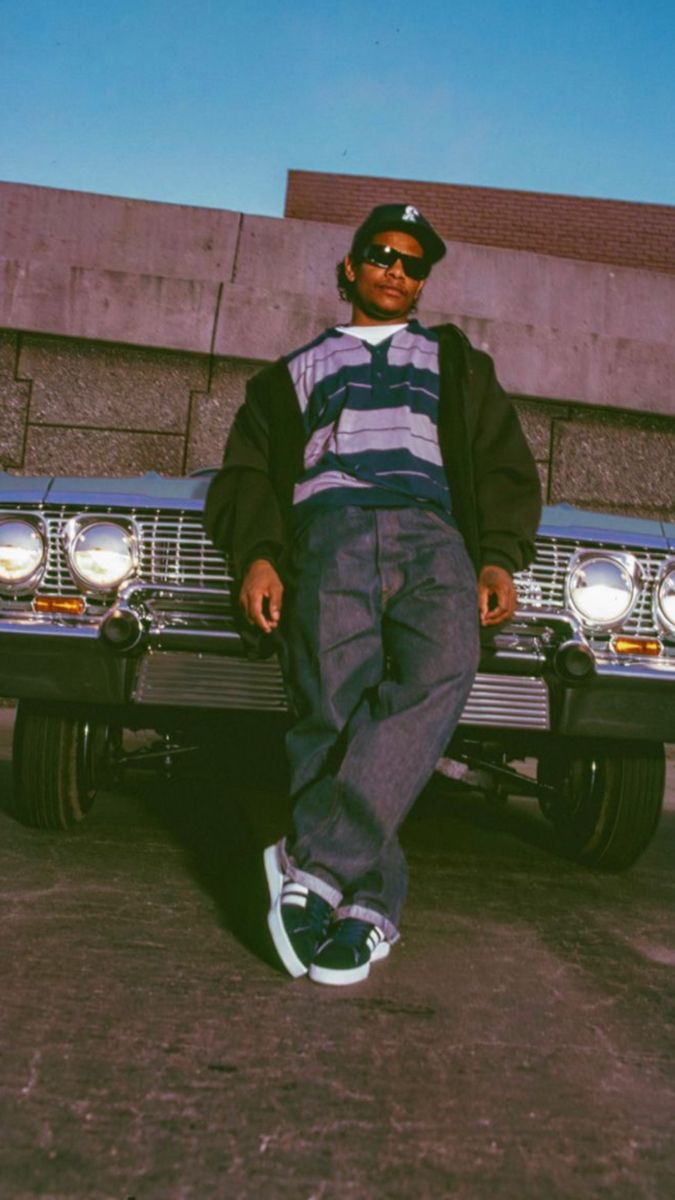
{"points": [[410, 214]]}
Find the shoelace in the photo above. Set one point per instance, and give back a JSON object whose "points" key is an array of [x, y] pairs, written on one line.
{"points": [[352, 932], [318, 914]]}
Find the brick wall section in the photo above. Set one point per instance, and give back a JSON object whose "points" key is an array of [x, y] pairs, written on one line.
{"points": [[604, 231]]}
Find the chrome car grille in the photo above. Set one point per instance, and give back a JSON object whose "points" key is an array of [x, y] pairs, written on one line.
{"points": [[177, 550], [174, 549], [215, 681], [193, 600], [209, 681], [510, 701], [57, 580], [542, 585]]}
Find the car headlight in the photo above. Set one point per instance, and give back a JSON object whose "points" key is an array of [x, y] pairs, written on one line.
{"points": [[22, 554], [101, 553], [602, 588], [665, 596]]}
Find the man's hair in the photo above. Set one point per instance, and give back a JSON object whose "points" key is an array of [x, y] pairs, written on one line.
{"points": [[345, 286]]}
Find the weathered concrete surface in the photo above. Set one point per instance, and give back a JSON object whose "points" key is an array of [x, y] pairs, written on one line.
{"points": [[159, 409], [117, 233], [51, 451], [141, 321], [517, 1044], [614, 467], [111, 306], [178, 277], [110, 387], [583, 367], [13, 402], [212, 411]]}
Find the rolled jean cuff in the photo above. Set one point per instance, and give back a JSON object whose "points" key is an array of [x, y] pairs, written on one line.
{"points": [[372, 916], [325, 890]]}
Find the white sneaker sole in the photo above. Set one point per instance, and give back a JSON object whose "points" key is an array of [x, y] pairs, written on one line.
{"points": [[337, 978], [282, 943]]}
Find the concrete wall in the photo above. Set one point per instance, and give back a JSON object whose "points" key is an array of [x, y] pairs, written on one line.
{"points": [[79, 407], [128, 329]]}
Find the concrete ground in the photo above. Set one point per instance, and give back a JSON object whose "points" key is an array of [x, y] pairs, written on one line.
{"points": [[518, 1043]]}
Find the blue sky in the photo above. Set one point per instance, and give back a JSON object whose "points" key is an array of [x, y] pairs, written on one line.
{"points": [[210, 102]]}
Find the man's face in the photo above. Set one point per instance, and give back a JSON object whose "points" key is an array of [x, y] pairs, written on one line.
{"points": [[384, 294]]}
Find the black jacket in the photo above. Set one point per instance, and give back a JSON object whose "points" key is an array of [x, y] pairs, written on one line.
{"points": [[493, 479]]}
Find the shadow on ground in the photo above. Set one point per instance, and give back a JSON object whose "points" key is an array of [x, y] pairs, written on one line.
{"points": [[224, 804]]}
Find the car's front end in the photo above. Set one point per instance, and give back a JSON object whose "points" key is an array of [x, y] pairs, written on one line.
{"points": [[116, 610]]}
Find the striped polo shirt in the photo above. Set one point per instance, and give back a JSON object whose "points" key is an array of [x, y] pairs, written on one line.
{"points": [[370, 414]]}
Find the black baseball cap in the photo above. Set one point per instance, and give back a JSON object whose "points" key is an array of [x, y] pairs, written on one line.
{"points": [[405, 218]]}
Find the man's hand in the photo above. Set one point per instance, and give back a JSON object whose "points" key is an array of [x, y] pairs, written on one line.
{"points": [[496, 595], [260, 595]]}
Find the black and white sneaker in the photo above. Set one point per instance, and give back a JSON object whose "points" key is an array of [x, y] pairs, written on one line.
{"points": [[298, 919], [347, 953]]}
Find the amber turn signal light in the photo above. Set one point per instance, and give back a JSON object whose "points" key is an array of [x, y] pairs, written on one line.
{"points": [[71, 605], [628, 645]]}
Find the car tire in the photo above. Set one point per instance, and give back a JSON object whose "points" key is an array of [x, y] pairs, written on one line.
{"points": [[604, 804], [58, 761]]}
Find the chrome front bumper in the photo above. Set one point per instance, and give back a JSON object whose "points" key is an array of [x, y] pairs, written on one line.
{"points": [[174, 646]]}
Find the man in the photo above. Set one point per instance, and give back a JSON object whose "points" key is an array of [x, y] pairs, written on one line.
{"points": [[376, 496]]}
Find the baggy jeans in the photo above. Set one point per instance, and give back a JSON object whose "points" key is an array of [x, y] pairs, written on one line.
{"points": [[380, 651]]}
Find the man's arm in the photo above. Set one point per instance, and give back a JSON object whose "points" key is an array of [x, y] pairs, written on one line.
{"points": [[506, 479], [248, 502], [242, 514], [508, 495]]}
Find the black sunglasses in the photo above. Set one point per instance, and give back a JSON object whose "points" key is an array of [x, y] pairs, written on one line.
{"points": [[386, 256]]}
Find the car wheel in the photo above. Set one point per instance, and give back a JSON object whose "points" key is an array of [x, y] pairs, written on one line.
{"points": [[605, 805], [59, 761]]}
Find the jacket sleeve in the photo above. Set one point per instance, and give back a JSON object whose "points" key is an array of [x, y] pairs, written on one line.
{"points": [[506, 479], [242, 514]]}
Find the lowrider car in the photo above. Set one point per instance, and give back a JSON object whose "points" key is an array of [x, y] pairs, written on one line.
{"points": [[116, 613]]}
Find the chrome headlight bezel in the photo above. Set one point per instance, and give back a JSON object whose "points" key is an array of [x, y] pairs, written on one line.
{"points": [[27, 583], [631, 572], [665, 577], [74, 530]]}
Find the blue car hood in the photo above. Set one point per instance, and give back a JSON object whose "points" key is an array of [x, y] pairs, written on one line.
{"points": [[669, 529], [188, 492], [566, 521], [20, 489], [138, 491]]}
